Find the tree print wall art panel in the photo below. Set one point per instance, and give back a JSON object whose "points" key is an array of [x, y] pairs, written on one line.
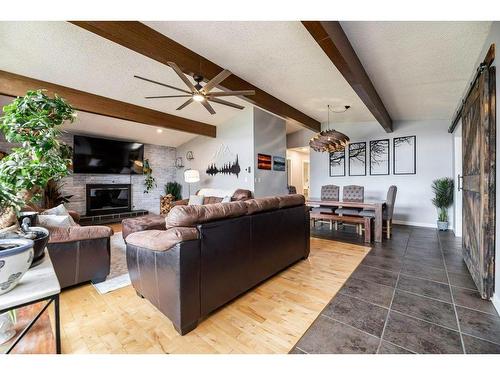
{"points": [[357, 159], [379, 157], [337, 163], [405, 155]]}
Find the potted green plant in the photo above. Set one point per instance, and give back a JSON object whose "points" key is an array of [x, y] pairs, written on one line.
{"points": [[443, 199], [149, 180], [174, 189], [34, 123]]}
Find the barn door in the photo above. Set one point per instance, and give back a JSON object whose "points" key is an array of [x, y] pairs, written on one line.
{"points": [[478, 158]]}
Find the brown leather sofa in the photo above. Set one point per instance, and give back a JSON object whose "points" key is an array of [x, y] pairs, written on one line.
{"points": [[80, 254], [153, 221], [210, 254]]}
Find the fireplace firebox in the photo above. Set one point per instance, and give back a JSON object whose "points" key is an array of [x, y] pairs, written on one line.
{"points": [[103, 199]]}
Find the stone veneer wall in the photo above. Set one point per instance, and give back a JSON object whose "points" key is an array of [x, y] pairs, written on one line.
{"points": [[161, 159]]}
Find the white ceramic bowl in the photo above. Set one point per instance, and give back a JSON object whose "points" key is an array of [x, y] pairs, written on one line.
{"points": [[14, 262]]}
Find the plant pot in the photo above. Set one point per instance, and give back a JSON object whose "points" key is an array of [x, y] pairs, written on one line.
{"points": [[442, 225], [7, 330], [40, 242], [16, 255]]}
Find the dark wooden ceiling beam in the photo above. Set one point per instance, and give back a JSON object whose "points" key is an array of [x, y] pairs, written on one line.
{"points": [[150, 43], [17, 85], [333, 41]]}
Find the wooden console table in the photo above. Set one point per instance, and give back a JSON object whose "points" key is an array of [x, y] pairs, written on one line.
{"points": [[38, 289]]}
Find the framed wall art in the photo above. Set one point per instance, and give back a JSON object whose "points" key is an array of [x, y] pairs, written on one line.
{"points": [[337, 163], [379, 157], [404, 155], [357, 159]]}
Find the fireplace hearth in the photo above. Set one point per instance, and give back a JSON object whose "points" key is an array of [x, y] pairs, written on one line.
{"points": [[104, 199]]}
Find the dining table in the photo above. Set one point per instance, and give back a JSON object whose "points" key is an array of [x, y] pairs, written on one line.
{"points": [[376, 206]]}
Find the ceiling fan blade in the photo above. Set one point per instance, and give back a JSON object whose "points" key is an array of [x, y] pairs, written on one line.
{"points": [[162, 84], [215, 81], [208, 107], [167, 96], [233, 93], [223, 102], [185, 104], [182, 76]]}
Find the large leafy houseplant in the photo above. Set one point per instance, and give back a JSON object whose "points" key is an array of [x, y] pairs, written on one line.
{"points": [[443, 196], [34, 122]]}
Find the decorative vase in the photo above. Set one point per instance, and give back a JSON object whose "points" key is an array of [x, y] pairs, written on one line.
{"points": [[40, 242], [7, 330], [442, 225], [16, 255]]}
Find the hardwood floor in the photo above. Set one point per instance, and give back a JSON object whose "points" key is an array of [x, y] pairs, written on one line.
{"points": [[268, 319]]}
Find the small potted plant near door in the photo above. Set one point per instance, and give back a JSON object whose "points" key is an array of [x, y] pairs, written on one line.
{"points": [[443, 199], [34, 123]]}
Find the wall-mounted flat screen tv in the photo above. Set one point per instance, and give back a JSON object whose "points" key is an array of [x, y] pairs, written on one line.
{"points": [[106, 156]]}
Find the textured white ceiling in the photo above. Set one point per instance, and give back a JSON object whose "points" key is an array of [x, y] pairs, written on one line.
{"points": [[68, 55], [281, 58], [420, 69], [91, 124]]}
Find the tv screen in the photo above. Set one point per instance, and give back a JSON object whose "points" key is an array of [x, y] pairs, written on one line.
{"points": [[99, 155]]}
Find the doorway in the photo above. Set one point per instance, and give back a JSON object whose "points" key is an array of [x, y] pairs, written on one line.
{"points": [[298, 169]]}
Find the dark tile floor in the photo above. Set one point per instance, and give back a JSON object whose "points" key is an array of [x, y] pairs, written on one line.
{"points": [[411, 294]]}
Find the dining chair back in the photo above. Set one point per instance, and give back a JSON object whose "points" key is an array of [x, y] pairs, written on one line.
{"points": [[353, 193], [330, 192]]}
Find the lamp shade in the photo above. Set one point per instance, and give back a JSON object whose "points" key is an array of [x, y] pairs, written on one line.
{"points": [[191, 175]]}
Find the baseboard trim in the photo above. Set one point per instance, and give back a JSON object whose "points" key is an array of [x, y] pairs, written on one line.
{"points": [[415, 224], [496, 302]]}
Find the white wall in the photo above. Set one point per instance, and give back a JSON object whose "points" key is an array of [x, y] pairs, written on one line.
{"points": [[237, 135], [413, 201], [297, 158], [494, 37], [270, 139]]}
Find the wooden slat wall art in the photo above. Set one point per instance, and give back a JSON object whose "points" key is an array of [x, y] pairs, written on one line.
{"points": [[16, 85]]}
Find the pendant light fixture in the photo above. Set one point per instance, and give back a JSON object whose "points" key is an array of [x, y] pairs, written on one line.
{"points": [[330, 140]]}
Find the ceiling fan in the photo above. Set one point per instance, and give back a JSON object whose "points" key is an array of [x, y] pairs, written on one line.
{"points": [[199, 93]]}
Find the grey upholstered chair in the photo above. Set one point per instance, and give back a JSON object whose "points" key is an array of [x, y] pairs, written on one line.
{"points": [[388, 210], [351, 193], [328, 192]]}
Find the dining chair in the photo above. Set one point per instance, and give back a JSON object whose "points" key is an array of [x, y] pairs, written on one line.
{"points": [[387, 211], [328, 192], [352, 193], [292, 189]]}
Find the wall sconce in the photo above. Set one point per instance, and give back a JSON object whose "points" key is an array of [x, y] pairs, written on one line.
{"points": [[178, 162], [189, 155]]}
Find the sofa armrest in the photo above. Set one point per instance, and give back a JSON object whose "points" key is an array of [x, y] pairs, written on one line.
{"points": [[162, 240], [75, 215], [182, 202], [78, 233]]}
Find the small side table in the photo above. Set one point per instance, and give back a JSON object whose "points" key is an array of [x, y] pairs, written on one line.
{"points": [[38, 285]]}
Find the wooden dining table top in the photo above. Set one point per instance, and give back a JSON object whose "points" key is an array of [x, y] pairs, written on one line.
{"points": [[330, 202]]}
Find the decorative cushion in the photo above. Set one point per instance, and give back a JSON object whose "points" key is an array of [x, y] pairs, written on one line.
{"points": [[211, 200], [196, 200], [226, 199], [55, 221], [59, 210], [211, 192], [162, 240], [241, 195]]}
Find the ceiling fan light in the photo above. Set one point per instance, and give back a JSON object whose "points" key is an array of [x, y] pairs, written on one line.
{"points": [[198, 97]]}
